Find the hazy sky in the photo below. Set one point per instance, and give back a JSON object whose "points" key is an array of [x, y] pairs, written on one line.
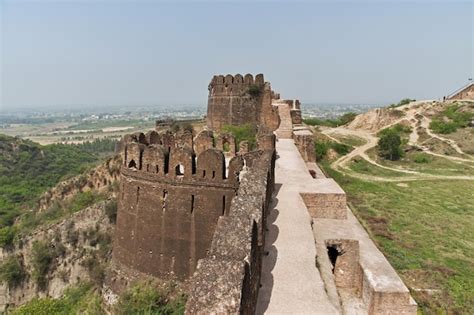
{"points": [[109, 52]]}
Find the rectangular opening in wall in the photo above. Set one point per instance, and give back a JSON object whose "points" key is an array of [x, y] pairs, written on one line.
{"points": [[223, 205], [192, 204]]}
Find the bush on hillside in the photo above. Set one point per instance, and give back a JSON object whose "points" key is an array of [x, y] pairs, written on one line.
{"points": [[421, 158], [389, 145], [12, 271], [146, 298], [404, 101], [111, 210], [42, 260], [7, 235]]}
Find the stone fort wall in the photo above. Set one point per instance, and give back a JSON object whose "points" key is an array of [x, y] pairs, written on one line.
{"points": [[237, 100], [174, 189], [228, 278]]}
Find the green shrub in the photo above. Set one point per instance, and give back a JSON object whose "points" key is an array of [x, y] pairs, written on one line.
{"points": [[7, 235], [442, 127], [242, 133], [111, 210], [96, 270], [389, 145], [421, 158], [397, 129], [42, 259], [254, 90], [404, 101], [321, 148], [12, 271], [83, 200], [341, 148], [147, 298], [76, 300]]}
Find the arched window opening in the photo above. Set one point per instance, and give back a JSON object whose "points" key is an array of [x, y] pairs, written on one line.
{"points": [[157, 169], [179, 170], [132, 164], [213, 174], [204, 174]]}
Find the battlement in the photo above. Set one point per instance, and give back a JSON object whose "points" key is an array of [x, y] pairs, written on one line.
{"points": [[238, 100], [237, 85], [174, 188]]}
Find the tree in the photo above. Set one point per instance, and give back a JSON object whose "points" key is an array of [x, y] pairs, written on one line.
{"points": [[389, 145]]}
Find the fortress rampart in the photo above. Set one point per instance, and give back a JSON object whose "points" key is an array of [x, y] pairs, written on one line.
{"points": [[228, 278], [174, 188], [238, 100]]}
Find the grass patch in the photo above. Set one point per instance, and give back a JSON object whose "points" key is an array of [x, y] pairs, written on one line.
{"points": [[352, 141], [150, 298], [425, 235], [322, 148], [344, 119], [451, 119], [242, 133], [361, 166], [58, 211], [82, 299], [404, 101]]}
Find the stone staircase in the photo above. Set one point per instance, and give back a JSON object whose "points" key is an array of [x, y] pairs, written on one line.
{"points": [[285, 130]]}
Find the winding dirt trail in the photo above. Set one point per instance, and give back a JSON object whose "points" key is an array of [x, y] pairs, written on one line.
{"points": [[412, 112]]}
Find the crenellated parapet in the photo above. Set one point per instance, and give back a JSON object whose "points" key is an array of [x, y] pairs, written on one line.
{"points": [[175, 158], [237, 85], [174, 188], [238, 100]]}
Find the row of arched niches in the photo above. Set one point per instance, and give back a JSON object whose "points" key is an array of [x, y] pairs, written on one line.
{"points": [[180, 156]]}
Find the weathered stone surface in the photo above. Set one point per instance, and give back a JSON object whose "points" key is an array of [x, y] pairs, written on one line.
{"points": [[217, 287], [304, 141], [329, 205], [237, 100]]}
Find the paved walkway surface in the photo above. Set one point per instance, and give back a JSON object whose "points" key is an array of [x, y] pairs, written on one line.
{"points": [[291, 283], [285, 130]]}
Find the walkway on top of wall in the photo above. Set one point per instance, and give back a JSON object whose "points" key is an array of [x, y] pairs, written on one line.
{"points": [[291, 283]]}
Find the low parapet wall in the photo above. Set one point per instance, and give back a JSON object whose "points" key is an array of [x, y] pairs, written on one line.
{"points": [[227, 280], [348, 259]]}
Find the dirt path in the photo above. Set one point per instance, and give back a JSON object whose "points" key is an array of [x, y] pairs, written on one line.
{"points": [[372, 139], [425, 123]]}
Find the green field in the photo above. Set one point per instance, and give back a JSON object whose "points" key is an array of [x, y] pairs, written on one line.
{"points": [[426, 230]]}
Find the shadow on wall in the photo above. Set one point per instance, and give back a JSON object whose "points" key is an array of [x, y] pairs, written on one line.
{"points": [[270, 257]]}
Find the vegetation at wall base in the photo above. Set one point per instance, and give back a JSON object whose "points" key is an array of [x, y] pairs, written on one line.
{"points": [[322, 148], [242, 133], [82, 299], [150, 298]]}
